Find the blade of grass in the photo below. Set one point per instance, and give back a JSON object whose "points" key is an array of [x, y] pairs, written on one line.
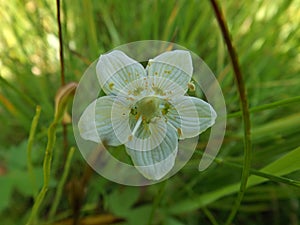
{"points": [[210, 216], [267, 106], [16, 90], [113, 31], [90, 24], [280, 167]]}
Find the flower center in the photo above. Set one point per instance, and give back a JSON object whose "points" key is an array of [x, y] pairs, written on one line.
{"points": [[148, 107]]}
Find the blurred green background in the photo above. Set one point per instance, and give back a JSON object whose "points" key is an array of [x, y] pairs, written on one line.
{"points": [[267, 38]]}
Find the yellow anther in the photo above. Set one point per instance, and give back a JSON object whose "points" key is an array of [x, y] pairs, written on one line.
{"points": [[179, 131], [111, 85], [191, 86]]}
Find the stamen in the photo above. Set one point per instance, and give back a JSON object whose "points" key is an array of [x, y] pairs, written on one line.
{"points": [[137, 125]]}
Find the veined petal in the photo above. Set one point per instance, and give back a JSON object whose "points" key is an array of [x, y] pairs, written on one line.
{"points": [[164, 87], [156, 163], [115, 70], [148, 135], [120, 112], [87, 125], [96, 122], [173, 65], [192, 114]]}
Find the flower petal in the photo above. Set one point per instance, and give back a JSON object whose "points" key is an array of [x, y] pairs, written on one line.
{"points": [[164, 87], [190, 116], [148, 136], [174, 65], [154, 164], [120, 114], [96, 121], [87, 125], [115, 70]]}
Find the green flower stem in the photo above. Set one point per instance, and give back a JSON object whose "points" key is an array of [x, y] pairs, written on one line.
{"points": [[62, 98], [210, 216], [61, 183], [34, 124], [47, 170], [244, 107]]}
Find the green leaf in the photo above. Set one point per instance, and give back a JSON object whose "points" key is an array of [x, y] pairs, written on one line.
{"points": [[22, 181], [121, 201], [139, 215], [5, 193]]}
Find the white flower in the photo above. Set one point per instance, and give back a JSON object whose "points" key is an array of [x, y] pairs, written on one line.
{"points": [[146, 109]]}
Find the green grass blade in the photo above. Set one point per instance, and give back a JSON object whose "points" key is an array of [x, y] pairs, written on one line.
{"points": [[282, 166]]}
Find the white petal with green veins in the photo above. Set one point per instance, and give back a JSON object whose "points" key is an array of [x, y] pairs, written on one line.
{"points": [[87, 126], [173, 65], [156, 163], [194, 116], [166, 88], [207, 115], [115, 70], [104, 119], [149, 136], [120, 113], [95, 124]]}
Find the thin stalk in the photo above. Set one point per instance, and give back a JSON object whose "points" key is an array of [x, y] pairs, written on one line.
{"points": [[61, 183], [61, 101], [210, 216], [61, 46], [62, 69], [34, 124], [244, 107], [46, 173]]}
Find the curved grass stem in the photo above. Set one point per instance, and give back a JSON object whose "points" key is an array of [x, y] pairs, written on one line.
{"points": [[61, 183], [46, 172], [62, 98], [244, 108], [34, 124]]}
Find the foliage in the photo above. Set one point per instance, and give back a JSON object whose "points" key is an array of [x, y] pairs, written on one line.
{"points": [[267, 42]]}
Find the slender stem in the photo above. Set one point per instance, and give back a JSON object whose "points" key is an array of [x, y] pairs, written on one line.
{"points": [[62, 70], [34, 124], [244, 107], [61, 183], [210, 216], [46, 170], [61, 47], [61, 101]]}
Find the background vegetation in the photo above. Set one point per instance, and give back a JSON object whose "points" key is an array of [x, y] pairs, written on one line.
{"points": [[267, 38]]}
